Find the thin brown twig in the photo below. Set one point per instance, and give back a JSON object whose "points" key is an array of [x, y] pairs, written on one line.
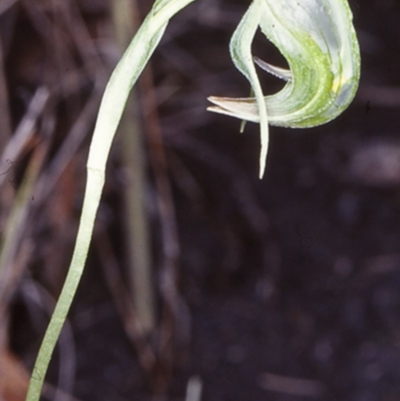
{"points": [[5, 118], [123, 304], [25, 130], [74, 139], [175, 317]]}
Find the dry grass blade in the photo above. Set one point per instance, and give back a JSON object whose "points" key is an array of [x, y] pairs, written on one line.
{"points": [[24, 132], [6, 4], [5, 118], [122, 300], [14, 229], [126, 22], [175, 324], [14, 254], [291, 385]]}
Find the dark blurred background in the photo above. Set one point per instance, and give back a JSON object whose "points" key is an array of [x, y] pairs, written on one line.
{"points": [[203, 282]]}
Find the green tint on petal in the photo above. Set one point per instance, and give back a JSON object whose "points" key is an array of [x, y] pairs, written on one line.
{"points": [[318, 40]]}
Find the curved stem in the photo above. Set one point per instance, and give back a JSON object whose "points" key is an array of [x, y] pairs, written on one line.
{"points": [[114, 99]]}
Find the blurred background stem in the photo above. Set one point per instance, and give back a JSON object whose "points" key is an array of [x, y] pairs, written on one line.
{"points": [[126, 21]]}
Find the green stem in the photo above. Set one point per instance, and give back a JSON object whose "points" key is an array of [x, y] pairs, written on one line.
{"points": [[113, 103]]}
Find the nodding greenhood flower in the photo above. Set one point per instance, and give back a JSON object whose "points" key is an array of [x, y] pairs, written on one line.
{"points": [[318, 40]]}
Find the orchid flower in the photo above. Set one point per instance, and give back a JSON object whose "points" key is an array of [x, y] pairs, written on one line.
{"points": [[318, 40]]}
